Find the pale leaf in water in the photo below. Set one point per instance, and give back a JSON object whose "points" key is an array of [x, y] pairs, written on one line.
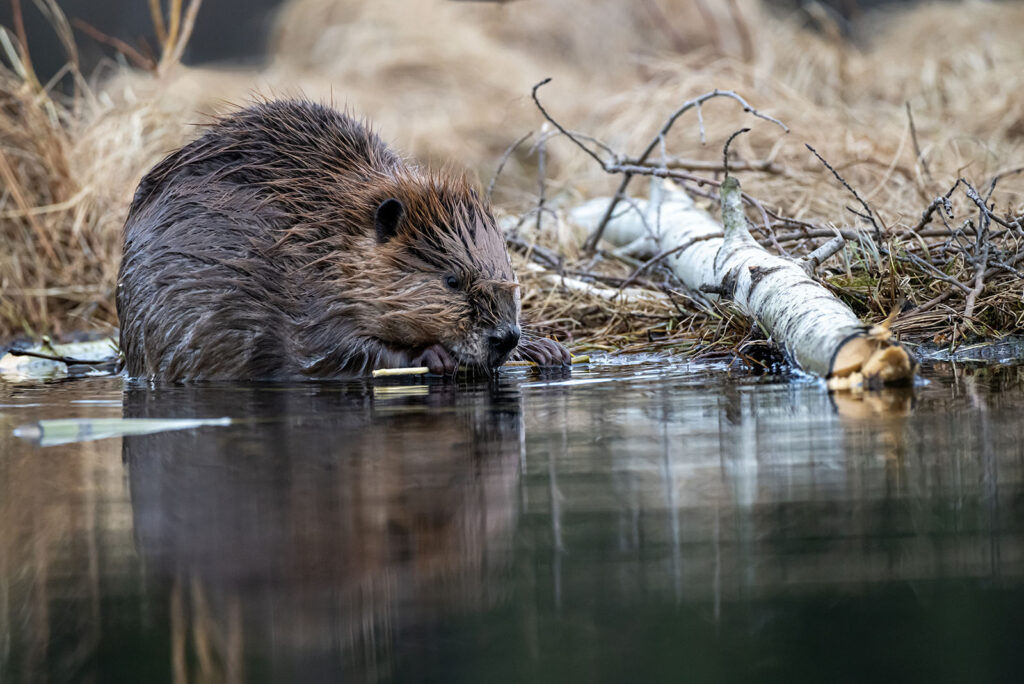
{"points": [[69, 430]]}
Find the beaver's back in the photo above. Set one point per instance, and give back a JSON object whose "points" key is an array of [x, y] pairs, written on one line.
{"points": [[210, 282]]}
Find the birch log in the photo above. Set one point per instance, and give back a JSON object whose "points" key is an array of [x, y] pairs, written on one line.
{"points": [[817, 331]]}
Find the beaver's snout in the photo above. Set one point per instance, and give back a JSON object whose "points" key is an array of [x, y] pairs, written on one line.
{"points": [[500, 343]]}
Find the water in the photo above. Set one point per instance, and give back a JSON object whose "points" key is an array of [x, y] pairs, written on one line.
{"points": [[637, 522]]}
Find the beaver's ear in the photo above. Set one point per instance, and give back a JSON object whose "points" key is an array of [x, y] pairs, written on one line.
{"points": [[385, 221]]}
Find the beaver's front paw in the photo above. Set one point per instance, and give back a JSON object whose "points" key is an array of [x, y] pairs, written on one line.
{"points": [[437, 359], [543, 352]]}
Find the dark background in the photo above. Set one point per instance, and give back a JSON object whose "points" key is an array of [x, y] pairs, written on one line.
{"points": [[226, 31], [237, 31]]}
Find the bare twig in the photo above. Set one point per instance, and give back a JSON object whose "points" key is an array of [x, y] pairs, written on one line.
{"points": [[648, 228], [685, 107], [70, 360], [389, 372], [812, 261], [725, 149], [765, 165], [979, 284], [140, 60], [541, 176], [660, 172], [790, 221], [868, 215], [557, 125], [504, 160], [629, 170], [910, 256], [539, 254], [1008, 268], [933, 302], [917, 145], [1001, 175], [846, 233], [973, 195], [940, 201], [667, 253], [699, 180]]}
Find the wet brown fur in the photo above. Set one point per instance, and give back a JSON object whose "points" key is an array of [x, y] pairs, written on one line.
{"points": [[252, 253]]}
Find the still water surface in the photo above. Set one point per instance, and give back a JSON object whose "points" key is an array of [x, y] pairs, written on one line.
{"points": [[637, 522]]}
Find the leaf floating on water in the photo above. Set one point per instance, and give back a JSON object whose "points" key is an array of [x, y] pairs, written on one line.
{"points": [[70, 430]]}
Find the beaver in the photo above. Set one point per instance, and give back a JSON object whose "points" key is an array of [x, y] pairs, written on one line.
{"points": [[288, 241]]}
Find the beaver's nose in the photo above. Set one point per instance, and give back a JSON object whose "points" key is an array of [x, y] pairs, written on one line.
{"points": [[502, 340]]}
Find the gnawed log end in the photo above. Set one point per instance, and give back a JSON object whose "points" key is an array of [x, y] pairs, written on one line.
{"points": [[870, 361], [820, 334]]}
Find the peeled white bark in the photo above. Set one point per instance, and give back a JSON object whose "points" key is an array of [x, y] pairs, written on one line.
{"points": [[628, 295], [818, 332]]}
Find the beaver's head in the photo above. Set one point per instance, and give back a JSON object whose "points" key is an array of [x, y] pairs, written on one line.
{"points": [[441, 271]]}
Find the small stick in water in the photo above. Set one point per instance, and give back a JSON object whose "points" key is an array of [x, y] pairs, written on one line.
{"points": [[70, 360], [583, 358], [423, 370], [385, 372]]}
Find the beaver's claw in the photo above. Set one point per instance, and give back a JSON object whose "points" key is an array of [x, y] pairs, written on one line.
{"points": [[543, 352], [437, 359]]}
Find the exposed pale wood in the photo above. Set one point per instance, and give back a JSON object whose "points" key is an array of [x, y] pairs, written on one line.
{"points": [[817, 331], [384, 372], [423, 370]]}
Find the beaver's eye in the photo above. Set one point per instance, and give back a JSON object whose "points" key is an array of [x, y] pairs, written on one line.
{"points": [[451, 281]]}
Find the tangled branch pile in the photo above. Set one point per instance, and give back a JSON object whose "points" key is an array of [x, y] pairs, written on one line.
{"points": [[923, 121]]}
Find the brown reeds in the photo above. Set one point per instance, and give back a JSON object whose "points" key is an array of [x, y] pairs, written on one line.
{"points": [[905, 132], [68, 165], [930, 99], [38, 191]]}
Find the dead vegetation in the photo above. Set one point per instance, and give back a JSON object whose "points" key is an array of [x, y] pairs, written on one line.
{"points": [[68, 166], [924, 121]]}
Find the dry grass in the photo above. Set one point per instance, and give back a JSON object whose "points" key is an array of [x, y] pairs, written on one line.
{"points": [[68, 166], [452, 81]]}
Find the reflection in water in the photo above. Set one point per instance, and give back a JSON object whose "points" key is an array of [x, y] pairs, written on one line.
{"points": [[329, 520], [636, 523]]}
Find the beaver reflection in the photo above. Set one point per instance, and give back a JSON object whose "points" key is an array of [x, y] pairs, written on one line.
{"points": [[315, 529]]}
